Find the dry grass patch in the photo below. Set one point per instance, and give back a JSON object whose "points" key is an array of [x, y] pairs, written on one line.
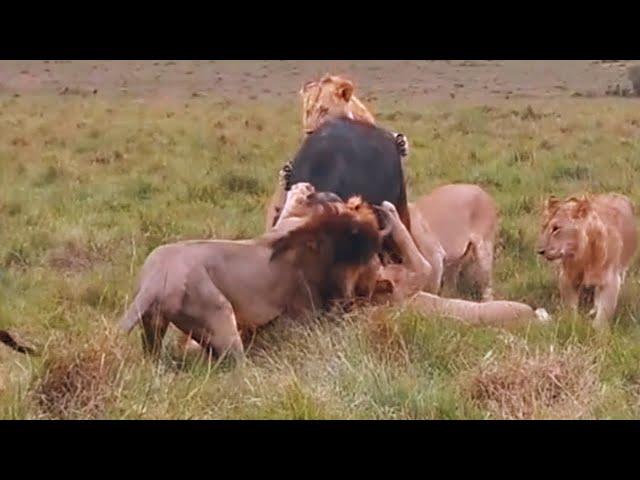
{"points": [[533, 383], [80, 382], [71, 257]]}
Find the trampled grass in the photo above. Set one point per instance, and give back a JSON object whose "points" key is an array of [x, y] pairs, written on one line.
{"points": [[88, 187]]}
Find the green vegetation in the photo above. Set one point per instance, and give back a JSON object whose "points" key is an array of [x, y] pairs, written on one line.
{"points": [[89, 187]]}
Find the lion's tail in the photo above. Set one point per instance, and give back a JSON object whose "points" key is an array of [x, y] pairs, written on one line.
{"points": [[7, 339], [140, 305]]}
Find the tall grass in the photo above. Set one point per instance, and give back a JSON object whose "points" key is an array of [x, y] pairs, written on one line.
{"points": [[88, 188]]}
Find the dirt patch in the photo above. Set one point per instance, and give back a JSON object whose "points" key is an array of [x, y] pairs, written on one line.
{"points": [[418, 81]]}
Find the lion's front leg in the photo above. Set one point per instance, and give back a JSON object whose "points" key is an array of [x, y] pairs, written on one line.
{"points": [[569, 293], [420, 270], [605, 301]]}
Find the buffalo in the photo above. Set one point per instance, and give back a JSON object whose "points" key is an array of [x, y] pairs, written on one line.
{"points": [[349, 157]]}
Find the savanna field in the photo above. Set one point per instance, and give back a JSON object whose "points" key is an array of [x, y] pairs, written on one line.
{"points": [[91, 183]]}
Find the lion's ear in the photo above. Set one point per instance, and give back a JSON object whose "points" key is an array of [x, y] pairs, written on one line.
{"points": [[582, 208], [345, 90], [306, 87], [551, 204]]}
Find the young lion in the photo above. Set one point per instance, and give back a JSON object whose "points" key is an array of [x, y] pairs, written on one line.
{"points": [[332, 96], [594, 240]]}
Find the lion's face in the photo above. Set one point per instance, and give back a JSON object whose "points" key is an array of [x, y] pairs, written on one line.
{"points": [[562, 228], [328, 98]]}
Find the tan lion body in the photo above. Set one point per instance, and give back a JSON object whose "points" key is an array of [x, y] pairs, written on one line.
{"points": [[211, 289], [463, 219], [408, 280], [594, 240], [407, 283], [332, 96]]}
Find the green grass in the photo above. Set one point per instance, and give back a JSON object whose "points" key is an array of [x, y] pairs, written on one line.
{"points": [[88, 188]]}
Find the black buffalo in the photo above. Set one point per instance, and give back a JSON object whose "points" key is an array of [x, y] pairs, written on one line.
{"points": [[349, 157]]}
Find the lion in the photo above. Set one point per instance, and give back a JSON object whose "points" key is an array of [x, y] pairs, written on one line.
{"points": [[9, 340], [455, 228], [333, 96], [330, 97], [410, 282], [303, 202], [593, 238], [406, 284], [212, 289]]}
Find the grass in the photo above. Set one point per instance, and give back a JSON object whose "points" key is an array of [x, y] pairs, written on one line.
{"points": [[89, 187]]}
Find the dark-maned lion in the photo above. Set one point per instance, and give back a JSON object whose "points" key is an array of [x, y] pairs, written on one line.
{"points": [[417, 275], [209, 289]]}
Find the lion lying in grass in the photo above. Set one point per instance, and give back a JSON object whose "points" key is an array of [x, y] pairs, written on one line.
{"points": [[594, 240], [407, 282]]}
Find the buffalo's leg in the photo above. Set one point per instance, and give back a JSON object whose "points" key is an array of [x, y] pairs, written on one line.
{"points": [[402, 143]]}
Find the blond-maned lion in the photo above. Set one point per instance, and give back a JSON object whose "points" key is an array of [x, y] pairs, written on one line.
{"points": [[407, 282], [455, 228], [594, 239], [330, 97], [333, 96], [211, 289]]}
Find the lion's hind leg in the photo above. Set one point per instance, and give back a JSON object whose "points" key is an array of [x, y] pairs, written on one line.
{"points": [[480, 269], [154, 326], [211, 319]]}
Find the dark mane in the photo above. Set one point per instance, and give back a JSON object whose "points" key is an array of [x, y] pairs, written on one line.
{"points": [[352, 240]]}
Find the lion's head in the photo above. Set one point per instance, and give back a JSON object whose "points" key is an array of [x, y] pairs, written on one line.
{"points": [[569, 227], [330, 97], [343, 237], [303, 202]]}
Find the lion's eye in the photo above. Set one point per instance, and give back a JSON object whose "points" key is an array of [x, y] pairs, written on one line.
{"points": [[555, 228]]}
